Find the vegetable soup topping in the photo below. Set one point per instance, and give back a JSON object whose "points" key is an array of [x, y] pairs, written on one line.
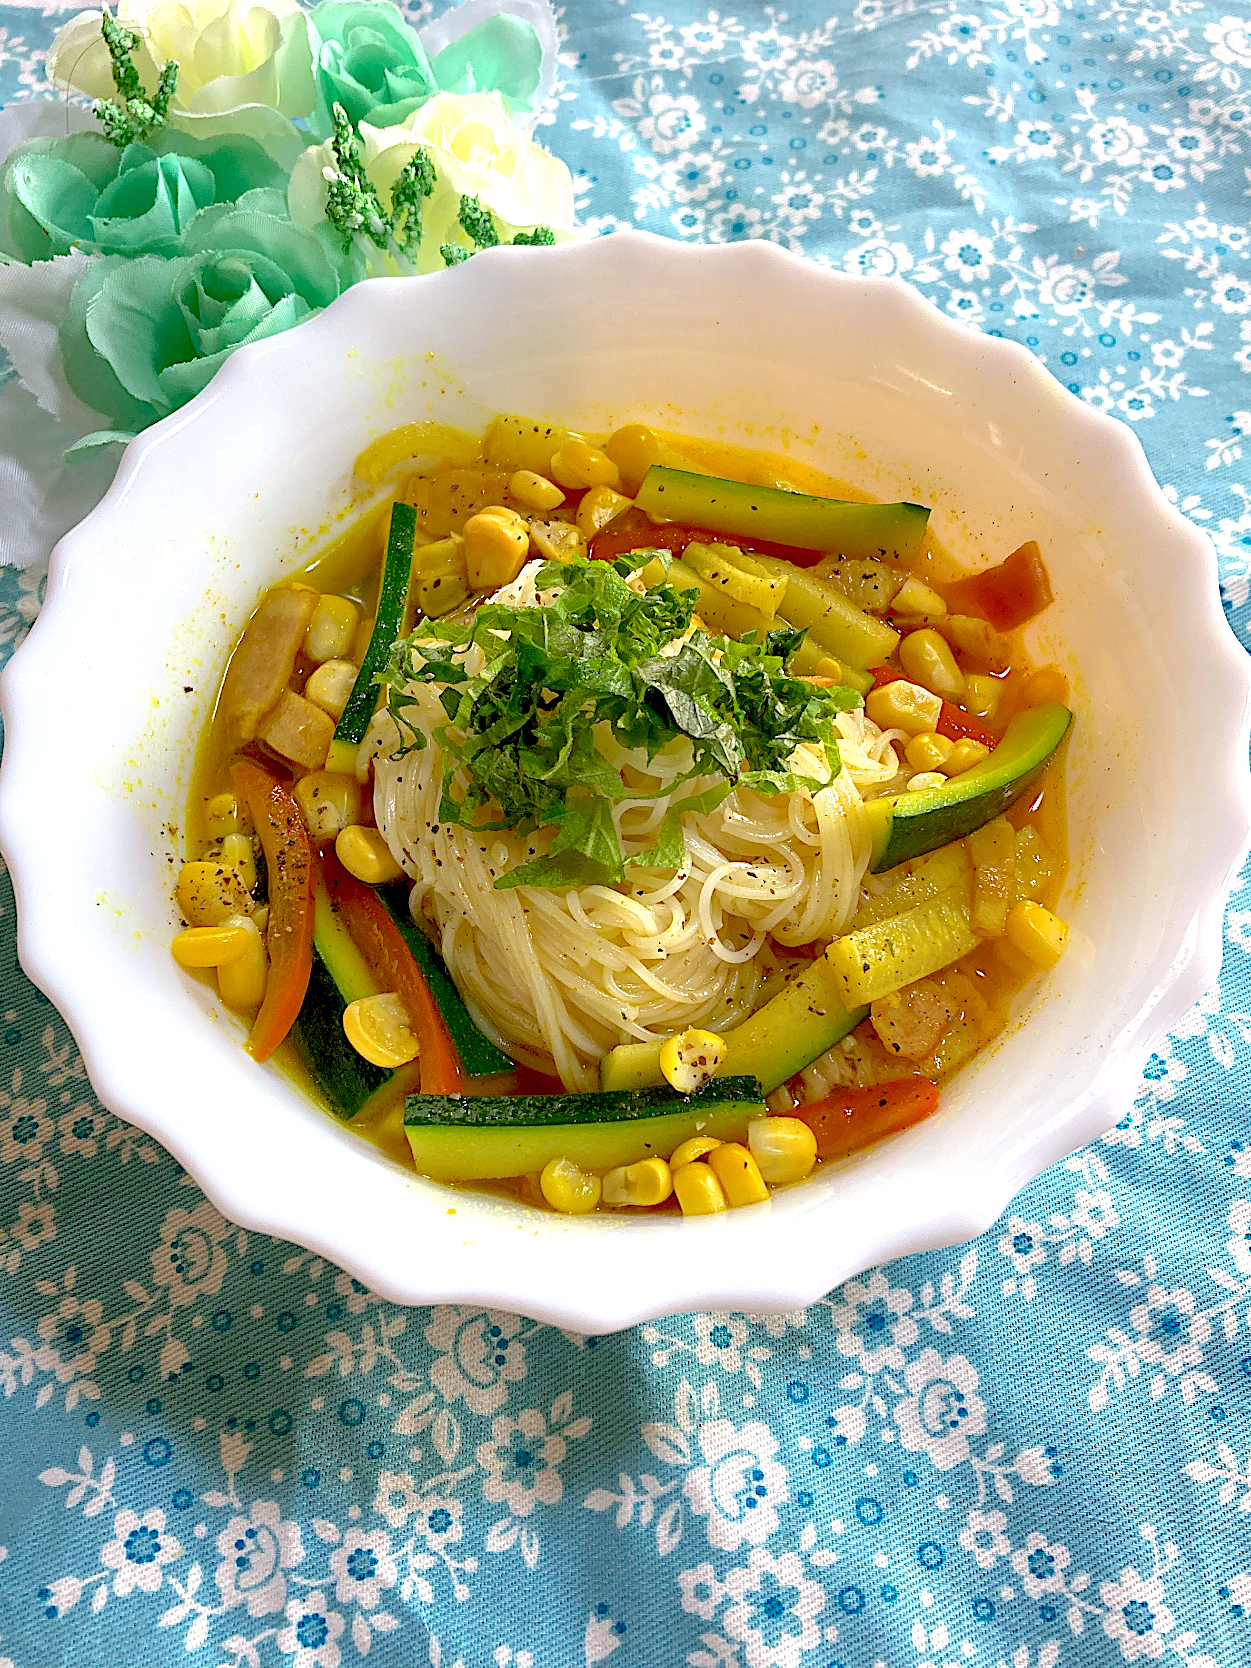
{"points": [[628, 823]]}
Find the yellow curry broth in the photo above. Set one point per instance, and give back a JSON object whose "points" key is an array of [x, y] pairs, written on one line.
{"points": [[457, 484]]}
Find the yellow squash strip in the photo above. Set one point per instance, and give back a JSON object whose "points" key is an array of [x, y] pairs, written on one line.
{"points": [[931, 875], [904, 948]]}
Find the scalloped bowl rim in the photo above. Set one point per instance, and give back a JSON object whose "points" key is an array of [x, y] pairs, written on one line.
{"points": [[527, 1280]]}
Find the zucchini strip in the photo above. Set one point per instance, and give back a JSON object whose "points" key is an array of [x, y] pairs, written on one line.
{"points": [[904, 948], [478, 1138], [892, 531], [479, 1055], [788, 1033], [397, 569]]}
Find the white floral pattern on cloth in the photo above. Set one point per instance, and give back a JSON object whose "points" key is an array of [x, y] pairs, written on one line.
{"points": [[1025, 1453]]}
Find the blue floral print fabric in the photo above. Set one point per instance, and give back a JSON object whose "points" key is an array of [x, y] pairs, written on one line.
{"points": [[1033, 1450]]}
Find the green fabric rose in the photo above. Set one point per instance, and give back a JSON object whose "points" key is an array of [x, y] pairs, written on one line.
{"points": [[365, 56], [81, 192], [145, 335], [502, 55], [369, 60]]}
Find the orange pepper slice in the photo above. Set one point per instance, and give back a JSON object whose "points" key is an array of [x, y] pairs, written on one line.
{"points": [[289, 938]]}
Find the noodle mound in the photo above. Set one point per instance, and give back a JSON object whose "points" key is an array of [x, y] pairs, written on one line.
{"points": [[557, 978]]}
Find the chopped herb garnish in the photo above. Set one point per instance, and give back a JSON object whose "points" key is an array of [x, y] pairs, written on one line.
{"points": [[523, 730]]}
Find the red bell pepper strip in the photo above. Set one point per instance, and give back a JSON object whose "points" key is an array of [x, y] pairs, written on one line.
{"points": [[611, 543], [850, 1119], [1007, 595], [391, 964], [289, 936], [953, 722], [673, 536]]}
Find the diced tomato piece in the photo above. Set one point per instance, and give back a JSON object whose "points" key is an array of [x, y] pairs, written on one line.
{"points": [[1007, 595], [289, 936], [853, 1118], [391, 964], [953, 721], [958, 725], [614, 542]]}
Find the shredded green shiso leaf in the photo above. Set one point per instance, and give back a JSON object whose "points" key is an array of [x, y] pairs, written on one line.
{"points": [[523, 729]]}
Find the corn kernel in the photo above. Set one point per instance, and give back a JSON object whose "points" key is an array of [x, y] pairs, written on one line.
{"points": [[647, 1183], [535, 491], [331, 629], [904, 706], [1019, 966], [690, 1060], [914, 598], [739, 1174], [209, 946], [330, 685], [634, 449], [378, 1029], [577, 465], [495, 550], [963, 756], [241, 983], [328, 802], [364, 853], [1037, 933], [785, 1149], [695, 1146], [503, 513], [698, 1191], [928, 751], [927, 659], [569, 1189], [599, 506], [1047, 684], [221, 816], [238, 853], [981, 695], [208, 892]]}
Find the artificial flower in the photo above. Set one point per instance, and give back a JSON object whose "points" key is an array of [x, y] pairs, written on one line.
{"points": [[143, 336], [368, 59], [477, 152], [82, 192], [244, 66]]}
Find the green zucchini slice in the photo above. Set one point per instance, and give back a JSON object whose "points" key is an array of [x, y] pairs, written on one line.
{"points": [[889, 531], [479, 1138], [339, 976], [397, 571], [909, 824], [479, 1055]]}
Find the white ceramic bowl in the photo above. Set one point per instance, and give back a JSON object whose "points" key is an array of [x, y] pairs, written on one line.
{"points": [[747, 343]]}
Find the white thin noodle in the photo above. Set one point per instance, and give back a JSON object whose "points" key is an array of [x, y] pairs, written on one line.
{"points": [[559, 978]]}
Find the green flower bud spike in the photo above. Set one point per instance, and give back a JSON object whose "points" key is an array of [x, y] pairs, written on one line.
{"points": [[135, 117], [478, 224], [353, 205]]}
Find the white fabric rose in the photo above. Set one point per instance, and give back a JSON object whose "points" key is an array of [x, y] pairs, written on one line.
{"points": [[477, 152], [244, 66]]}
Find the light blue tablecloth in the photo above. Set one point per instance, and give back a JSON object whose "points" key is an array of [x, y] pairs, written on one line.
{"points": [[1029, 1451]]}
